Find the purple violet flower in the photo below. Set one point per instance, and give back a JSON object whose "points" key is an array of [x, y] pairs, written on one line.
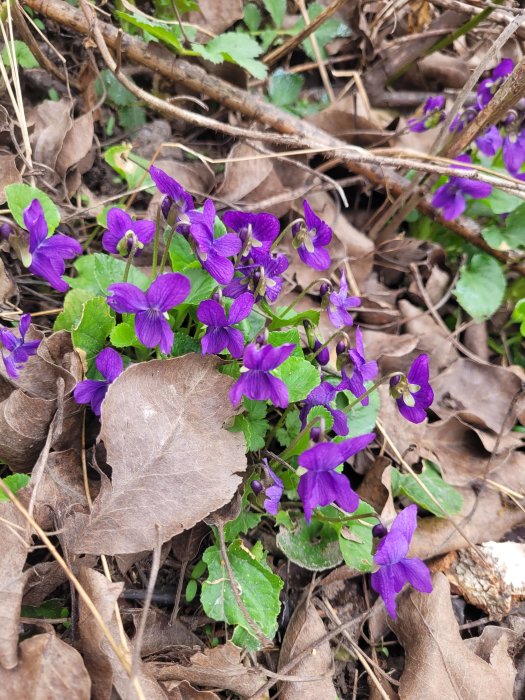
{"points": [[463, 119], [322, 485], [213, 252], [339, 303], [490, 141], [152, 328], [255, 381], [413, 393], [395, 569], [489, 86], [263, 279], [120, 224], [18, 348], [273, 491], [109, 364], [323, 395], [175, 193], [433, 115], [450, 197], [514, 151], [256, 231], [363, 371], [219, 334], [311, 238], [48, 253]]}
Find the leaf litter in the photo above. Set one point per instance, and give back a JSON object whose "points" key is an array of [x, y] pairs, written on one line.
{"points": [[164, 466]]}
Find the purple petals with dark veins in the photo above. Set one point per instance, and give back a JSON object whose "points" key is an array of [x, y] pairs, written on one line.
{"points": [[263, 279], [490, 142], [339, 303], [363, 371], [413, 393], [48, 253], [514, 152], [220, 335], [212, 252], [121, 230], [311, 239], [324, 395], [109, 364], [489, 86], [395, 569], [17, 350], [175, 193], [255, 381], [256, 231], [322, 485], [151, 326], [451, 197], [273, 490], [433, 115]]}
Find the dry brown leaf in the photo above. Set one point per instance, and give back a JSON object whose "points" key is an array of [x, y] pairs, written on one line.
{"points": [[9, 174], [48, 669], [51, 121], [104, 667], [220, 667], [243, 176], [433, 339], [8, 287], [388, 348], [27, 405], [173, 462], [184, 691], [160, 635], [315, 671], [77, 143], [349, 116], [217, 15], [438, 664], [41, 580], [14, 547]]}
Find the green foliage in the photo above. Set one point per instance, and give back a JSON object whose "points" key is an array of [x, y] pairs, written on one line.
{"points": [[314, 545], [20, 196], [23, 55], [300, 377], [290, 429], [73, 307], [277, 10], [510, 235], [170, 35], [96, 323], [446, 495], [181, 254], [285, 88], [330, 29], [361, 419], [280, 319], [278, 338], [245, 521], [14, 482], [481, 286], [354, 535], [234, 47], [133, 172], [202, 285], [52, 609], [123, 334], [258, 588], [320, 412], [97, 271], [519, 315], [129, 112], [253, 424], [183, 344], [252, 17]]}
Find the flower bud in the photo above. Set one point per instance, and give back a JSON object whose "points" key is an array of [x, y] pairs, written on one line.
{"points": [[340, 348], [165, 206], [257, 487], [324, 289], [323, 357], [5, 231], [379, 530], [315, 434]]}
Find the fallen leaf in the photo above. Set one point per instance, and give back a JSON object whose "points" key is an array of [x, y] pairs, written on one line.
{"points": [[12, 580], [241, 177], [48, 669], [184, 691], [76, 144], [9, 174], [51, 121], [217, 15], [160, 635], [220, 667], [433, 340], [438, 663], [388, 348], [349, 116], [162, 427], [8, 287], [315, 671], [105, 668]]}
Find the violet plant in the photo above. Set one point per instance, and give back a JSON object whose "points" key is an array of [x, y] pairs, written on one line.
{"points": [[217, 290]]}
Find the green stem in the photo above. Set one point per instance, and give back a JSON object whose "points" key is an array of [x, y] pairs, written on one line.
{"points": [[332, 337], [285, 231], [374, 386], [301, 295], [288, 451], [166, 250], [156, 245], [129, 259]]}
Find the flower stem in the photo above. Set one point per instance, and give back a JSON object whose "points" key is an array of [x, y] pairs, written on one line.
{"points": [[332, 337], [156, 246], [129, 259], [285, 231], [374, 386], [301, 295], [166, 250]]}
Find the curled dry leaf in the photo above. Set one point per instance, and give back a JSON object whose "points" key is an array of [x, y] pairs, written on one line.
{"points": [[433, 340], [173, 462], [217, 15], [314, 672], [28, 404], [9, 174], [160, 635], [8, 287], [184, 691], [14, 547], [438, 663], [220, 667], [48, 669], [104, 666]]}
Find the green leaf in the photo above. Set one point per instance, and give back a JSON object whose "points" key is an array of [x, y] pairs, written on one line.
{"points": [[245, 521], [116, 94], [73, 307], [258, 588], [481, 287], [95, 325], [15, 482], [252, 17], [519, 315], [290, 430], [202, 285], [280, 319], [181, 254], [97, 271], [299, 376], [167, 34], [102, 217], [355, 539], [123, 335], [512, 234], [253, 424], [53, 608], [324, 413], [191, 590], [314, 545], [133, 171], [331, 29], [23, 55], [501, 202], [183, 344], [277, 10], [362, 419], [278, 338], [20, 196], [284, 88], [445, 494], [234, 47]]}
